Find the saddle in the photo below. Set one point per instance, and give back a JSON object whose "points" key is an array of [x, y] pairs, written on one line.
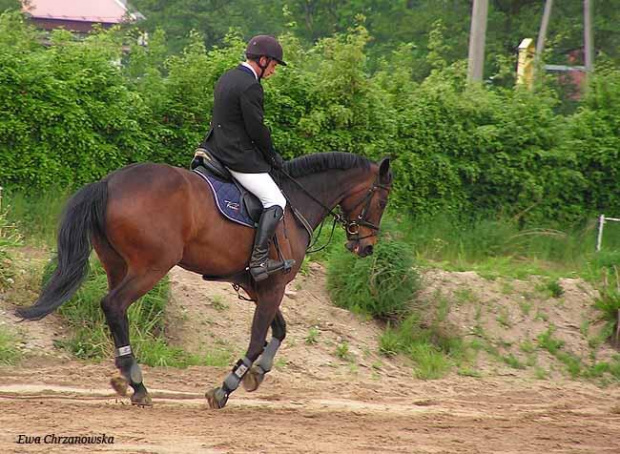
{"points": [[232, 199]]}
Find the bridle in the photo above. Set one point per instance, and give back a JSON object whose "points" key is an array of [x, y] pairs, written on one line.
{"points": [[350, 226]]}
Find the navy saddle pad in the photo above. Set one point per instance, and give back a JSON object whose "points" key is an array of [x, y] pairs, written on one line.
{"points": [[234, 203]]}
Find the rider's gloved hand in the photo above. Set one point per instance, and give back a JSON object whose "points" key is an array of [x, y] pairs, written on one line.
{"points": [[277, 162]]}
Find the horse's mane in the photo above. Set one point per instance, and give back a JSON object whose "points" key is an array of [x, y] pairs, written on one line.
{"points": [[319, 162]]}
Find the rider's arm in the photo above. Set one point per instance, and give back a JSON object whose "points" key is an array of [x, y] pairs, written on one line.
{"points": [[253, 118]]}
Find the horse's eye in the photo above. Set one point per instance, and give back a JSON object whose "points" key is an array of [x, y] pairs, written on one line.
{"points": [[382, 204]]}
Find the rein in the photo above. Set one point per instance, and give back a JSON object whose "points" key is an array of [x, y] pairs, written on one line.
{"points": [[351, 227]]}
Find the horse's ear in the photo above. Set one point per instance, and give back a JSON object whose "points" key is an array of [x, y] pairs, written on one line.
{"points": [[385, 176]]}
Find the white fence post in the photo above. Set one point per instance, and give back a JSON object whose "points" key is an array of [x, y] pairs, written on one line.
{"points": [[601, 225], [599, 238]]}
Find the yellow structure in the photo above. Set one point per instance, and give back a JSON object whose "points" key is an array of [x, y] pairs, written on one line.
{"points": [[525, 65]]}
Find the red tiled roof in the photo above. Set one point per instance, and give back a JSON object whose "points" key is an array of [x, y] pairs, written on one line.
{"points": [[100, 11]]}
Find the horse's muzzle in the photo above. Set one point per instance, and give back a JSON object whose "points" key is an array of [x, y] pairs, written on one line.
{"points": [[356, 248], [351, 245]]}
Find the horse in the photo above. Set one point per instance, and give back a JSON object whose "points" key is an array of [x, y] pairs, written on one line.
{"points": [[146, 218]]}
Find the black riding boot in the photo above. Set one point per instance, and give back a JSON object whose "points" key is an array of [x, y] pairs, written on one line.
{"points": [[261, 266]]}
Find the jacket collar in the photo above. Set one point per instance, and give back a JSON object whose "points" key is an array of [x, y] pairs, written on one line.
{"points": [[248, 69]]}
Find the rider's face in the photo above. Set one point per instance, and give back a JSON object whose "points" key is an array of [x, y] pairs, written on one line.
{"points": [[270, 69]]}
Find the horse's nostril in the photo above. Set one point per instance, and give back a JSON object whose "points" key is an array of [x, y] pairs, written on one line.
{"points": [[368, 250]]}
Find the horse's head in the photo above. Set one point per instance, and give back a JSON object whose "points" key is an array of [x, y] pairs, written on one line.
{"points": [[364, 207]]}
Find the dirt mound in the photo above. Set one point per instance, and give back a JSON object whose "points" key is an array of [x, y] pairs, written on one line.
{"points": [[521, 321], [516, 324]]}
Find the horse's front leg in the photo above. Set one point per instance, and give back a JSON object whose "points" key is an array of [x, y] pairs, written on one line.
{"points": [[255, 376], [268, 302]]}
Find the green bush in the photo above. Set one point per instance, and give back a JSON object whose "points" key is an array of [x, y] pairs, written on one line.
{"points": [[381, 285], [68, 116]]}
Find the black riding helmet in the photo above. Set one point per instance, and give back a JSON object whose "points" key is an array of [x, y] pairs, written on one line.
{"points": [[265, 45]]}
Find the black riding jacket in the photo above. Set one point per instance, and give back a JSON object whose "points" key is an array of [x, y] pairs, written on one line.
{"points": [[238, 135]]}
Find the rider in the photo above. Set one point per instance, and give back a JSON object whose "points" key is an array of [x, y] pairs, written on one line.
{"points": [[239, 138]]}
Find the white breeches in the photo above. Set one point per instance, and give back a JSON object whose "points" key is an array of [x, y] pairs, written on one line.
{"points": [[262, 186]]}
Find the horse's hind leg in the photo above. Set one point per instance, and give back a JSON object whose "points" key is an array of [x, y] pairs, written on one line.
{"points": [[116, 270], [255, 376], [115, 305]]}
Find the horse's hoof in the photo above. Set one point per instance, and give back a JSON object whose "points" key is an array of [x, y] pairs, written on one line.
{"points": [[141, 400], [217, 398], [253, 379], [119, 384]]}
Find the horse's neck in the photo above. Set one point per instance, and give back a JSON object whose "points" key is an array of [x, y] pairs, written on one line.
{"points": [[329, 187]]}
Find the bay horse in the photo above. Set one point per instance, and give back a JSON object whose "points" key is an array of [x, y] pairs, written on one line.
{"points": [[144, 219]]}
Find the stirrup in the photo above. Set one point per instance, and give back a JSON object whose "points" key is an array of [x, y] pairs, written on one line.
{"points": [[264, 270]]}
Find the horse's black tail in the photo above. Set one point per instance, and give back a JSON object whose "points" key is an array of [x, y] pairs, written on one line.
{"points": [[83, 217]]}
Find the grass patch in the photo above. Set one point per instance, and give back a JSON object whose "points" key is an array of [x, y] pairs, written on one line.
{"points": [[547, 342], [9, 354], [503, 318], [614, 367], [313, 336], [608, 303], [540, 373], [433, 349], [37, 215], [468, 372], [602, 266], [497, 248], [513, 361], [551, 288], [526, 307], [217, 301], [527, 346], [342, 351], [555, 288], [9, 238], [390, 342], [464, 296], [431, 362]]}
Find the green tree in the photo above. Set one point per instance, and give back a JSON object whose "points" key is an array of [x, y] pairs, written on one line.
{"points": [[10, 5]]}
